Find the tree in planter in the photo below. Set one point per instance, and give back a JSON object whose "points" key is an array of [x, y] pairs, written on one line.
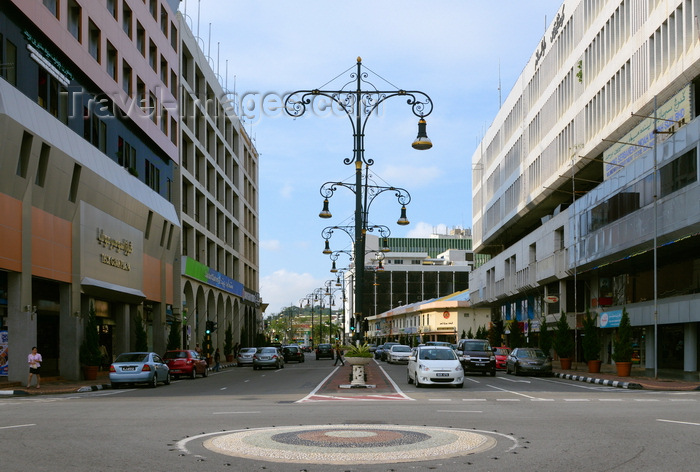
{"points": [[470, 334], [464, 335], [174, 336], [591, 340], [90, 354], [545, 337], [515, 339], [228, 342], [140, 336], [563, 342], [496, 332], [622, 342], [481, 333]]}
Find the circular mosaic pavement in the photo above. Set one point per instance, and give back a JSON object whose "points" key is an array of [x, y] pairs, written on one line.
{"points": [[350, 444]]}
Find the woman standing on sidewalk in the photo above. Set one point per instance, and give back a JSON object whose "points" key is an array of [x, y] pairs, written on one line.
{"points": [[34, 360]]}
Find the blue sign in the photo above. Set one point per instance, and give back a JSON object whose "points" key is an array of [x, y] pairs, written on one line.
{"points": [[610, 319]]}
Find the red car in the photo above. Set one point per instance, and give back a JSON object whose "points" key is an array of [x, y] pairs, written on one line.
{"points": [[501, 354], [186, 362]]}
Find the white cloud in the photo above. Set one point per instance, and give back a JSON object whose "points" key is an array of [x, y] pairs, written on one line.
{"points": [[270, 245], [283, 288], [424, 230], [411, 176], [286, 191]]}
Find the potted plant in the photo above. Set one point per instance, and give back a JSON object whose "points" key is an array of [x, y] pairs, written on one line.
{"points": [[228, 343], [591, 343], [358, 354], [90, 355], [563, 342], [622, 346]]}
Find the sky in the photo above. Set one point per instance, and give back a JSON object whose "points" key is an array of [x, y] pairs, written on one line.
{"points": [[465, 55]]}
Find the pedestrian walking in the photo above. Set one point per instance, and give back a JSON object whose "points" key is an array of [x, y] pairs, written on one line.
{"points": [[34, 360], [217, 360], [338, 355]]}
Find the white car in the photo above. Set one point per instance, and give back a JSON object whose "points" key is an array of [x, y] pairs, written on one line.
{"points": [[429, 365], [398, 353]]}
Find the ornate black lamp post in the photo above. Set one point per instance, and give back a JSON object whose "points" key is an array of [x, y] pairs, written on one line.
{"points": [[359, 104]]}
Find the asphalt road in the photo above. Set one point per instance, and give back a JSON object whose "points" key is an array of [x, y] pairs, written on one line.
{"points": [[534, 423]]}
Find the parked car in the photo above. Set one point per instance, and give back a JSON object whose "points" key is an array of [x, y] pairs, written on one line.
{"points": [[245, 356], [385, 351], [372, 347], [185, 362], [268, 357], [324, 350], [528, 360], [398, 353], [292, 353], [434, 365], [138, 367], [501, 354], [476, 355]]}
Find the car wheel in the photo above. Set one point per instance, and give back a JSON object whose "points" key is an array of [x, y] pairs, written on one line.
{"points": [[316, 357], [515, 370], [193, 375], [493, 373], [418, 384], [206, 372], [167, 378], [460, 385], [408, 377], [115, 386], [154, 381]]}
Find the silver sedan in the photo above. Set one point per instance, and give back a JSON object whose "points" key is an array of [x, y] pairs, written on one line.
{"points": [[139, 367]]}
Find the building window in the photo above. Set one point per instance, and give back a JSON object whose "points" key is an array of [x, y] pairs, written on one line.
{"points": [[94, 42], [94, 129], [74, 19], [164, 21], [52, 96], [153, 55], [8, 62], [141, 39], [25, 151], [40, 179], [52, 5], [679, 173], [112, 8], [126, 156], [126, 79], [112, 61], [173, 36], [127, 21], [74, 183], [153, 8], [152, 177]]}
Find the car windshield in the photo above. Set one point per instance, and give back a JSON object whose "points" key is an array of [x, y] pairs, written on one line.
{"points": [[437, 354], [291, 349], [269, 350], [324, 346], [502, 351], [175, 355], [248, 350], [400, 349], [132, 357], [477, 346], [532, 353]]}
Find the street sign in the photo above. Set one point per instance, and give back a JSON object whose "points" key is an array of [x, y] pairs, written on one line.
{"points": [[551, 299]]}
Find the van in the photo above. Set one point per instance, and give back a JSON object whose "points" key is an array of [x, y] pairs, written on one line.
{"points": [[476, 355]]}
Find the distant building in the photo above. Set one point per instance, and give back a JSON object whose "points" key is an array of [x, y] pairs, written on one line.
{"points": [[586, 185], [439, 319], [218, 205]]}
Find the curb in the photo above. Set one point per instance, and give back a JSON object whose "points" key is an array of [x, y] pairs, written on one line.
{"points": [[606, 382], [17, 393], [94, 388]]}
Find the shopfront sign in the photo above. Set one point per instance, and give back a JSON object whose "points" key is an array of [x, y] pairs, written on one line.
{"points": [[610, 319]]}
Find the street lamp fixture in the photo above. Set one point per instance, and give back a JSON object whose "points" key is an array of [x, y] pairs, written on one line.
{"points": [[359, 105]]}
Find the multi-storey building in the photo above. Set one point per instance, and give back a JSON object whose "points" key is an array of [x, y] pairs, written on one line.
{"points": [[586, 184], [218, 205], [88, 148], [411, 270]]}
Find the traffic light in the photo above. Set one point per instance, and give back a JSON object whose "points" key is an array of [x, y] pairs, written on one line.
{"points": [[352, 323], [210, 327]]}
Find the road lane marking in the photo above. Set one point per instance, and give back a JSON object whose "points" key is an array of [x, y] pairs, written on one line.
{"points": [[679, 422], [17, 426], [318, 387], [439, 399], [234, 412], [473, 399], [512, 392], [393, 384], [459, 411], [577, 400]]}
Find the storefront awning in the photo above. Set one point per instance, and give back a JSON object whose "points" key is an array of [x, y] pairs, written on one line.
{"points": [[109, 291]]}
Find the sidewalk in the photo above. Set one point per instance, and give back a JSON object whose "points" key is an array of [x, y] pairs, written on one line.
{"points": [[55, 385], [640, 379]]}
